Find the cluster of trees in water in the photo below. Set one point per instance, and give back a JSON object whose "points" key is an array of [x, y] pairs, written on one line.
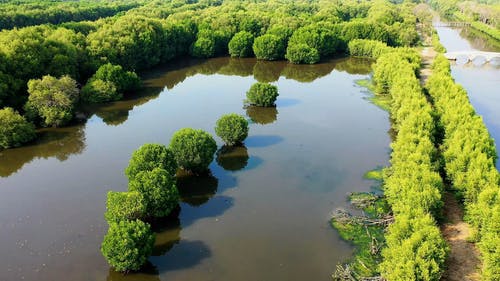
{"points": [[154, 33], [152, 188], [469, 157]]}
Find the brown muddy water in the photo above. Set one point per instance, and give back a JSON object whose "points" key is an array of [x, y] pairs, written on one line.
{"points": [[262, 215]]}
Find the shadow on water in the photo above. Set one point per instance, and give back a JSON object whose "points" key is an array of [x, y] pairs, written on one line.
{"points": [[262, 115], [211, 209], [184, 255], [167, 232], [60, 143], [262, 140], [196, 190], [267, 71], [232, 158]]}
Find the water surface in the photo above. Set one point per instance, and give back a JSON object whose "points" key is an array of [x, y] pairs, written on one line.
{"points": [[263, 213]]}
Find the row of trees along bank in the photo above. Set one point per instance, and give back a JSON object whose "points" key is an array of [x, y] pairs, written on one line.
{"points": [[469, 162], [155, 33], [414, 248]]}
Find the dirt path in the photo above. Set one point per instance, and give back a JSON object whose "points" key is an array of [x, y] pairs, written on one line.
{"points": [[463, 261]]}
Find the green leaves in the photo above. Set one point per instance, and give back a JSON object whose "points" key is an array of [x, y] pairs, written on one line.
{"points": [[232, 128], [128, 244], [193, 149], [150, 156], [52, 100], [14, 129], [262, 94], [241, 44], [268, 47]]}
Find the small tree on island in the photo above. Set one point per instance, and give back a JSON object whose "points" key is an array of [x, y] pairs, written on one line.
{"points": [[232, 128], [149, 156], [262, 94], [193, 149], [127, 245], [158, 189], [14, 129]]}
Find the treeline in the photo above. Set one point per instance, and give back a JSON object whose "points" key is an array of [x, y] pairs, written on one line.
{"points": [[469, 160], [415, 249], [21, 14], [302, 32]]}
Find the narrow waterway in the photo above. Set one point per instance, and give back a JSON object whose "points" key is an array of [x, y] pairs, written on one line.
{"points": [[262, 215], [482, 82]]}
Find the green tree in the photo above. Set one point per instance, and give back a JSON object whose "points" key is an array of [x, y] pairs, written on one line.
{"points": [[268, 47], [204, 46], [124, 206], [158, 189], [232, 128], [301, 53], [52, 99], [193, 149], [98, 91], [127, 245], [241, 44], [124, 81], [262, 94], [14, 129], [150, 156]]}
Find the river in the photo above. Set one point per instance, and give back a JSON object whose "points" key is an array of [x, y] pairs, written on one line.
{"points": [[482, 82], [262, 215]]}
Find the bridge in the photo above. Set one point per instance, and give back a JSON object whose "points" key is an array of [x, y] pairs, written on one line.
{"points": [[474, 56]]}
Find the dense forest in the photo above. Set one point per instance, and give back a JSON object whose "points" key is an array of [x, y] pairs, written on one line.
{"points": [[56, 56]]}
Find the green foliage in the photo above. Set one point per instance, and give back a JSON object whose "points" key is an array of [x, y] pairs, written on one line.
{"points": [[469, 161], [98, 91], [232, 128], [158, 188], [127, 245], [193, 149], [262, 94], [204, 47], [241, 44], [301, 53], [127, 206], [14, 129], [320, 37], [367, 48], [415, 249], [52, 100], [268, 47], [124, 81], [150, 156]]}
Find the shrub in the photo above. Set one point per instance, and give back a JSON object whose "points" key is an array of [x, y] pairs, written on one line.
{"points": [[124, 81], [127, 245], [268, 47], [52, 100], [14, 129], [204, 47], [241, 44], [262, 94], [301, 53], [367, 48], [158, 188], [98, 91], [124, 206], [150, 156], [193, 149], [232, 128]]}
